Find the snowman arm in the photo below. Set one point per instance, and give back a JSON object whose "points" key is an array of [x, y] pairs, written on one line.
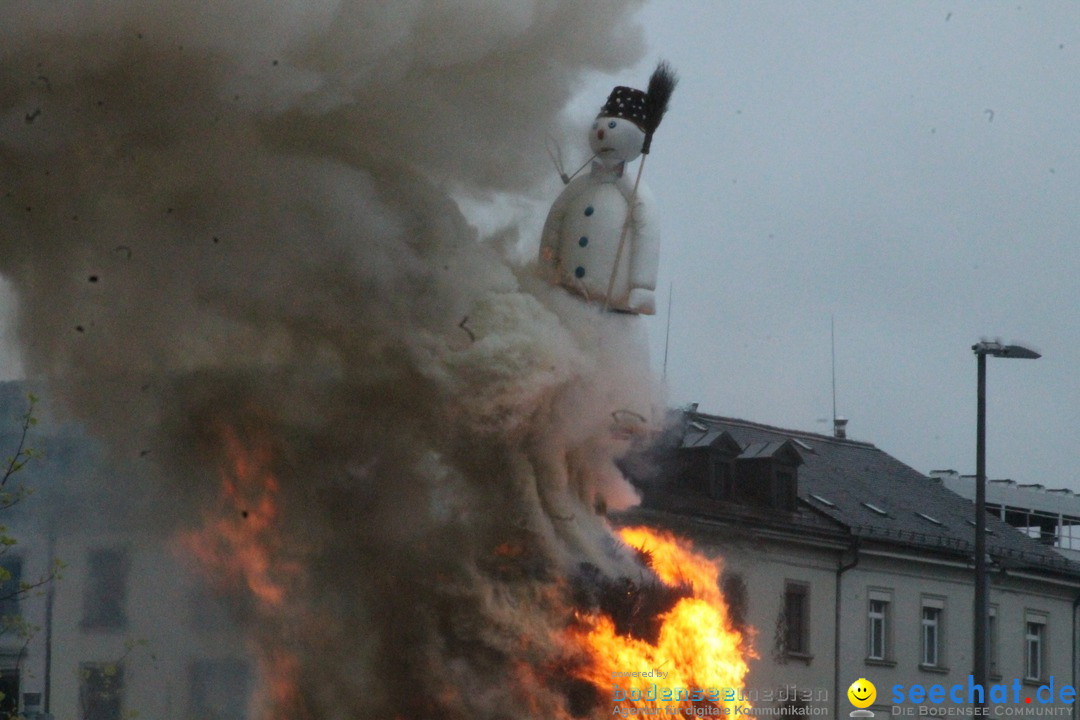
{"points": [[645, 242]]}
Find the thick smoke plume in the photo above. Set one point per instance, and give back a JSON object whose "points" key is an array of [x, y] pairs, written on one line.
{"points": [[233, 223]]}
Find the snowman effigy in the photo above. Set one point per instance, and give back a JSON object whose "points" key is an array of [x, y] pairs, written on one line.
{"points": [[601, 239]]}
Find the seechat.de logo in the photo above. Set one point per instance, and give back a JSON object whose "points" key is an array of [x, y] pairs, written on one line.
{"points": [[862, 695]]}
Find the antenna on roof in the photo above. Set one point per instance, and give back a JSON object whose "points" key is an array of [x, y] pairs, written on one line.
{"points": [[832, 348], [839, 423]]}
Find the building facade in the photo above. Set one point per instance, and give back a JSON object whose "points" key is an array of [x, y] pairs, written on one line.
{"points": [[854, 565]]}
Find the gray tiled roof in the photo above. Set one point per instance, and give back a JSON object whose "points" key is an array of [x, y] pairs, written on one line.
{"points": [[857, 477], [804, 521]]}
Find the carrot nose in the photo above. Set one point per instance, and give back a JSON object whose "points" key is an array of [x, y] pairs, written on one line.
{"points": [[600, 134]]}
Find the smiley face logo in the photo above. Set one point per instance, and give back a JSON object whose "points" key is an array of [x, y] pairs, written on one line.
{"points": [[862, 693]]}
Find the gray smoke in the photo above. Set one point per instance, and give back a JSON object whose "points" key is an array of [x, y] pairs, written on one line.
{"points": [[241, 215]]}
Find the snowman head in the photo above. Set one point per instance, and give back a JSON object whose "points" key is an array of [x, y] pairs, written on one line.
{"points": [[617, 135], [615, 140]]}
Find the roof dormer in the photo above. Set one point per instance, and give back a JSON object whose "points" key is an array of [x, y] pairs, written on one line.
{"points": [[708, 463], [763, 474], [767, 475]]}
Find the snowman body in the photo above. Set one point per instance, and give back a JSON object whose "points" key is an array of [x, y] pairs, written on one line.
{"points": [[580, 242]]}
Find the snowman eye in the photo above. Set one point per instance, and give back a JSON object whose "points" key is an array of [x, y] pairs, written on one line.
{"points": [[611, 124], [595, 125]]}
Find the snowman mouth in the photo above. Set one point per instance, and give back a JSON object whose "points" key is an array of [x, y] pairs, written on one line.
{"points": [[607, 149]]}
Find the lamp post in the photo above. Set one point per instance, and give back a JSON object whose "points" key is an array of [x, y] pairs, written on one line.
{"points": [[982, 626]]}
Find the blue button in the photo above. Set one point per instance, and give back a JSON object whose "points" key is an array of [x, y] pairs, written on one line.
{"points": [[588, 211], [580, 272], [583, 241]]}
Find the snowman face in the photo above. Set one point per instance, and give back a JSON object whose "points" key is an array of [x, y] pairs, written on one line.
{"points": [[615, 140]]}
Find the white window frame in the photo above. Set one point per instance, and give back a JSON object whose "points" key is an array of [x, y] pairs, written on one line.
{"points": [[932, 632], [1034, 639], [880, 620], [797, 587]]}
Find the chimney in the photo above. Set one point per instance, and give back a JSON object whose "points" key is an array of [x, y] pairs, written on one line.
{"points": [[840, 428]]}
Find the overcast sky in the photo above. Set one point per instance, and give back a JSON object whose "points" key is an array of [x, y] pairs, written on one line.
{"points": [[912, 169]]}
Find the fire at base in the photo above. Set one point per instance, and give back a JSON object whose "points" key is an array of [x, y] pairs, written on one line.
{"points": [[695, 649]]}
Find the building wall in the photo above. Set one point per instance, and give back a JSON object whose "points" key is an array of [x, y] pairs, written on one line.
{"points": [[767, 563], [166, 635], [767, 568], [1016, 596], [174, 640], [911, 581], [907, 582]]}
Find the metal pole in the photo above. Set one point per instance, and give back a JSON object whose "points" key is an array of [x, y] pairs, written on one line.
{"points": [[981, 589]]}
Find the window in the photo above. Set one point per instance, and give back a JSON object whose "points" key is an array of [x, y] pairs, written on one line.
{"points": [[933, 612], [101, 691], [722, 478], [734, 589], [785, 490], [219, 689], [1035, 647], [878, 626], [931, 627], [106, 590], [696, 470], [796, 619], [766, 475]]}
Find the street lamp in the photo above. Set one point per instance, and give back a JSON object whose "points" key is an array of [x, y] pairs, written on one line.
{"points": [[982, 626]]}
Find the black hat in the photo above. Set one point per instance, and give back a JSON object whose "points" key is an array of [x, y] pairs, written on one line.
{"points": [[625, 102]]}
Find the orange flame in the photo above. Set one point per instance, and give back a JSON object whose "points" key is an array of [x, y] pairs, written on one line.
{"points": [[697, 649], [239, 541], [240, 547]]}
